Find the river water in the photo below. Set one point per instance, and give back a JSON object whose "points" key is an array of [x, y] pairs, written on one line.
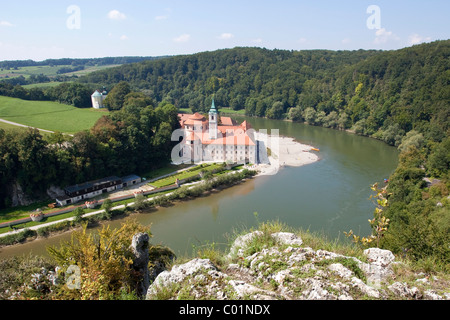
{"points": [[330, 196]]}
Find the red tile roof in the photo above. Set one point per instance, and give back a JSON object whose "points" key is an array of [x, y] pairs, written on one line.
{"points": [[229, 132]]}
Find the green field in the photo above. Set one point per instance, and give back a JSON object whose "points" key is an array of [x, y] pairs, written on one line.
{"points": [[230, 111], [49, 71], [28, 71], [49, 115], [44, 84]]}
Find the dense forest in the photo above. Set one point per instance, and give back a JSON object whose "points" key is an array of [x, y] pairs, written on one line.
{"points": [[400, 97]]}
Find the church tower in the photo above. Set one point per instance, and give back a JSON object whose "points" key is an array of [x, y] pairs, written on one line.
{"points": [[213, 115]]}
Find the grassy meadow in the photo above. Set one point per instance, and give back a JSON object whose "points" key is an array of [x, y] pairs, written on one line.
{"points": [[48, 115], [48, 70]]}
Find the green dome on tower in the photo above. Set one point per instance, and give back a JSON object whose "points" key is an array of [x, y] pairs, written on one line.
{"points": [[213, 108]]}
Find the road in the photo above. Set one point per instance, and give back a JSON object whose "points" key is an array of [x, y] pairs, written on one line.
{"points": [[22, 125]]}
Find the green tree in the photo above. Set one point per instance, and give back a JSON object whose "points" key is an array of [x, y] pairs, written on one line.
{"points": [[276, 111], [295, 114], [116, 97], [439, 160], [309, 114], [139, 203], [78, 213], [138, 99], [107, 205], [412, 138], [35, 161]]}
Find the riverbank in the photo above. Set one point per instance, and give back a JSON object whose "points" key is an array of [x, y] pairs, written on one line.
{"points": [[284, 151], [189, 190]]}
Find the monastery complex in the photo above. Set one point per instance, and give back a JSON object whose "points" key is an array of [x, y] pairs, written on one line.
{"points": [[217, 139]]}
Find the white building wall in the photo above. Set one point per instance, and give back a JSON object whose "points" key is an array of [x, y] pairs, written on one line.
{"points": [[97, 102]]}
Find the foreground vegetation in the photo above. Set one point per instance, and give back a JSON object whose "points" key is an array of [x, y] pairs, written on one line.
{"points": [[100, 267]]}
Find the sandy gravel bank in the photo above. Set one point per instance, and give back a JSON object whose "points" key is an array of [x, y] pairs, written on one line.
{"points": [[283, 151]]}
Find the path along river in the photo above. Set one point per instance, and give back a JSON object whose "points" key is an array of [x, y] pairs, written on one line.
{"points": [[328, 196]]}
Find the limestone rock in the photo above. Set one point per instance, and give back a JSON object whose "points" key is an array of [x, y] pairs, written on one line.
{"points": [[376, 274], [139, 247], [402, 290], [340, 270], [179, 273], [241, 242], [244, 290], [18, 196], [287, 238], [379, 257], [431, 295], [364, 288], [294, 272]]}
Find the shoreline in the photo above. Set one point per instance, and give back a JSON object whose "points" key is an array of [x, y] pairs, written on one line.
{"points": [[285, 151]]}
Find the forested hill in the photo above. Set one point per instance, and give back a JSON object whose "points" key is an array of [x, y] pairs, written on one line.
{"points": [[381, 93], [400, 97], [232, 75], [11, 64]]}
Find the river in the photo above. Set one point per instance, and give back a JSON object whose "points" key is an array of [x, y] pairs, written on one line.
{"points": [[329, 196]]}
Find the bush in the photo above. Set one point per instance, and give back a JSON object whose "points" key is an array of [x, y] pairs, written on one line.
{"points": [[17, 237]]}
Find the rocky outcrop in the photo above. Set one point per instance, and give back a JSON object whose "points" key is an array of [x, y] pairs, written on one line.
{"points": [[18, 196], [140, 249], [288, 270]]}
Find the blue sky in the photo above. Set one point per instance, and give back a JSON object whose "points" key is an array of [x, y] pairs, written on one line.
{"points": [[82, 29]]}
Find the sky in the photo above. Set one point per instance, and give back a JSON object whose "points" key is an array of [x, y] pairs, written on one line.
{"points": [[44, 29]]}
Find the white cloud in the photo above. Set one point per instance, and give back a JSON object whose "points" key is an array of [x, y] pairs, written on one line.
{"points": [[124, 37], [182, 38], [116, 15], [161, 17], [383, 36], [6, 24], [416, 39], [346, 41], [226, 36], [303, 40], [164, 16], [259, 40]]}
